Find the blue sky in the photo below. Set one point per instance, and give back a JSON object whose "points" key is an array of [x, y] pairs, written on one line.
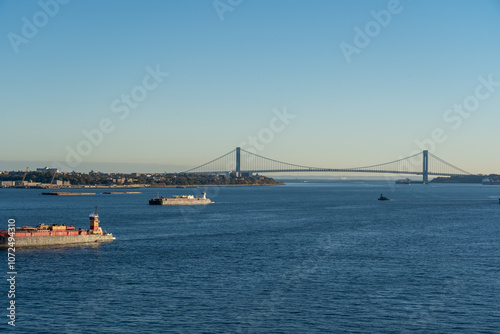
{"points": [[228, 78]]}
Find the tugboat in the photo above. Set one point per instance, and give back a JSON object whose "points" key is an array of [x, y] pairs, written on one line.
{"points": [[383, 198]]}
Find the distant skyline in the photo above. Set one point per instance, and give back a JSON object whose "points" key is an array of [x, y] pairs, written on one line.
{"points": [[155, 86]]}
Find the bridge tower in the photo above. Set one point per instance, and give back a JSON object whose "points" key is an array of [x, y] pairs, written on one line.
{"points": [[425, 170], [238, 160]]}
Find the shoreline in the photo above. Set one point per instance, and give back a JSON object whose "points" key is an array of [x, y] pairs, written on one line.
{"points": [[147, 186]]}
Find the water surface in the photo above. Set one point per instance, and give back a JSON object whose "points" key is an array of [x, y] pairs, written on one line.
{"points": [[299, 258]]}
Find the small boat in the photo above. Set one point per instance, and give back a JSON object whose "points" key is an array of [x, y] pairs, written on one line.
{"points": [[488, 181], [383, 198]]}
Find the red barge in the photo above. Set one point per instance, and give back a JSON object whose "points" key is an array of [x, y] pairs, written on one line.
{"points": [[43, 235]]}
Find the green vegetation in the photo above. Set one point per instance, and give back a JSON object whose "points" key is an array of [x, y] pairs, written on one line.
{"points": [[153, 180]]}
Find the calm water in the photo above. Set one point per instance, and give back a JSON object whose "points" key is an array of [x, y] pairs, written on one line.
{"points": [[300, 258]]}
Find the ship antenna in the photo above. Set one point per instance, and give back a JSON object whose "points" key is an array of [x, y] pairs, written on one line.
{"points": [[96, 209]]}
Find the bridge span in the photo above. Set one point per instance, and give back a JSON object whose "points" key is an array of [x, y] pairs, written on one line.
{"points": [[244, 162]]}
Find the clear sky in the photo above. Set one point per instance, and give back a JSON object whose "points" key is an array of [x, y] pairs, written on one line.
{"points": [[366, 81]]}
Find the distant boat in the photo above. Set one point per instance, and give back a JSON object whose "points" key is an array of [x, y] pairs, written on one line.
{"points": [[490, 182], [383, 198], [407, 181]]}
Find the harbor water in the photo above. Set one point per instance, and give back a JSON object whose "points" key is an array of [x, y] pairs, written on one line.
{"points": [[306, 257]]}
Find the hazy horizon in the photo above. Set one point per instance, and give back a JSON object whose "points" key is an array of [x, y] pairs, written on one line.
{"points": [[128, 168]]}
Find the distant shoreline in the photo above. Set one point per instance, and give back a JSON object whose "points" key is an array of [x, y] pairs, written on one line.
{"points": [[152, 187]]}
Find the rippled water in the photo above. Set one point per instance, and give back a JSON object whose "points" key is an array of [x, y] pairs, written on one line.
{"points": [[300, 258]]}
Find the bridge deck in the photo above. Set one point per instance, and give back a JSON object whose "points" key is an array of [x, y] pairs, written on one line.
{"points": [[242, 161]]}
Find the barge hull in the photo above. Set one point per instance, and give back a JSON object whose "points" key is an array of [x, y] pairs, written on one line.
{"points": [[187, 202], [54, 240], [180, 202]]}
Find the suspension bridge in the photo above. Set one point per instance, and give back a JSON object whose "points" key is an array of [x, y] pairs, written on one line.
{"points": [[243, 162]]}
